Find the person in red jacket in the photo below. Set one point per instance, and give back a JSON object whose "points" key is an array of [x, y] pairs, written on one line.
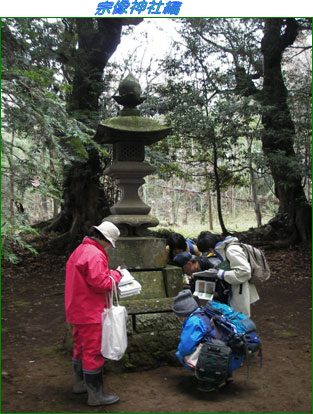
{"points": [[87, 285]]}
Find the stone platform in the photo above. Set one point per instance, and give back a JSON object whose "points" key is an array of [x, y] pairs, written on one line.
{"points": [[153, 330]]}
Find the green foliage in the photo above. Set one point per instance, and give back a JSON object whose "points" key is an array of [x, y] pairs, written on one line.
{"points": [[210, 95], [14, 230], [39, 138]]}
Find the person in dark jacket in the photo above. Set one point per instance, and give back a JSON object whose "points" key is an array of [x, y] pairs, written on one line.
{"points": [[192, 264], [86, 286], [176, 243]]}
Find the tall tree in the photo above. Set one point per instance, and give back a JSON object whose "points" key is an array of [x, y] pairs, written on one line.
{"points": [[279, 130], [35, 55], [87, 47], [245, 59]]}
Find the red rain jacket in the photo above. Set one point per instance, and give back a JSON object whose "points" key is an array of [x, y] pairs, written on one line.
{"points": [[87, 283]]}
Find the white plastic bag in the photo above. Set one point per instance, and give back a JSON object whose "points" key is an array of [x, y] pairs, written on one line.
{"points": [[192, 359], [114, 333]]}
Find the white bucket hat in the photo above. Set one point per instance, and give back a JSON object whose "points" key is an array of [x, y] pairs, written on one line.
{"points": [[109, 231]]}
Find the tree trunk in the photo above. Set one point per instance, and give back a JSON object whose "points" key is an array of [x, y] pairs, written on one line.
{"points": [[279, 131], [44, 198], [229, 195], [210, 210], [209, 198], [12, 180], [218, 194], [166, 213], [256, 204], [186, 204]]}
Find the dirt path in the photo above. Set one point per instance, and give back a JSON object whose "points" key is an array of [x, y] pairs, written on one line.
{"points": [[36, 373]]}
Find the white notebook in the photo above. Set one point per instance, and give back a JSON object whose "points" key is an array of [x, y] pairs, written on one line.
{"points": [[132, 288], [204, 289], [127, 277]]}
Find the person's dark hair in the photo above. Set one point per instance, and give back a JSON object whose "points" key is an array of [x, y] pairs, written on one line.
{"points": [[207, 240], [176, 241], [97, 234], [193, 259]]}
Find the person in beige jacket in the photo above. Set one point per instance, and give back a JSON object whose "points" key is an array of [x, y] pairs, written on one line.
{"points": [[234, 269]]}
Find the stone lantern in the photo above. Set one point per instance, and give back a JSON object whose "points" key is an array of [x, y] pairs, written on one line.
{"points": [[129, 133], [145, 256]]}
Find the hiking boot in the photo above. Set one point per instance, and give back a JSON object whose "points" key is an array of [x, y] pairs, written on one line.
{"points": [[94, 384], [79, 386]]}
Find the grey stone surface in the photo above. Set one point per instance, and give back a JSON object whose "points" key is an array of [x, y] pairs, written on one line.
{"points": [[138, 253], [142, 306], [152, 284], [173, 280], [156, 322], [133, 225]]}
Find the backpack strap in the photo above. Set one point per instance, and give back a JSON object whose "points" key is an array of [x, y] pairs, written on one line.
{"points": [[235, 315], [246, 252], [211, 331]]}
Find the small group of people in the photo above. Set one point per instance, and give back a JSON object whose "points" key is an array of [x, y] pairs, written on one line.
{"points": [[233, 286], [88, 282]]}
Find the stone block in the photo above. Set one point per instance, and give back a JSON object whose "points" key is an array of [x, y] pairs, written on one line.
{"points": [[152, 284], [156, 322], [138, 253], [173, 280], [142, 306]]}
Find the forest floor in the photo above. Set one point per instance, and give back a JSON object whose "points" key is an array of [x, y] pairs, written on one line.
{"points": [[36, 372]]}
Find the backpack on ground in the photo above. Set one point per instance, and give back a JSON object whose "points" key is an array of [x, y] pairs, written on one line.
{"points": [[260, 270]]}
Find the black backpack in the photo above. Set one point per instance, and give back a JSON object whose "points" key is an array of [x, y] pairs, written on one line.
{"points": [[213, 364]]}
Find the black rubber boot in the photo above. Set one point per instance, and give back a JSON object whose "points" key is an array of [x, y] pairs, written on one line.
{"points": [[79, 386], [94, 384]]}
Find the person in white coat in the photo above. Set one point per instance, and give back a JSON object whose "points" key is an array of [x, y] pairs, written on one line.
{"points": [[235, 270]]}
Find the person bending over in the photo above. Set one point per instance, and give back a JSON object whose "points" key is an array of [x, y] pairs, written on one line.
{"points": [[233, 269], [176, 243]]}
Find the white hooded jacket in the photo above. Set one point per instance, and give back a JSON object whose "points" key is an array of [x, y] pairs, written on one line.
{"points": [[243, 292]]}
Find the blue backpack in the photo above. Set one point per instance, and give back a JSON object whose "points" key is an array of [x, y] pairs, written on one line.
{"points": [[235, 329], [244, 325]]}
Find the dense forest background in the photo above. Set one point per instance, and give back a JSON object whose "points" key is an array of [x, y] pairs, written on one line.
{"points": [[236, 92]]}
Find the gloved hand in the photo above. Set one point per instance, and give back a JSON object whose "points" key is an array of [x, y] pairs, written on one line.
{"points": [[220, 274], [212, 270]]}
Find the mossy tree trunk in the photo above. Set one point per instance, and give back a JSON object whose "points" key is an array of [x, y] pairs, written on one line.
{"points": [[279, 131]]}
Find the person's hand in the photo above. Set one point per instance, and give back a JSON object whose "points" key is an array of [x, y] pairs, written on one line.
{"points": [[220, 274], [212, 270]]}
